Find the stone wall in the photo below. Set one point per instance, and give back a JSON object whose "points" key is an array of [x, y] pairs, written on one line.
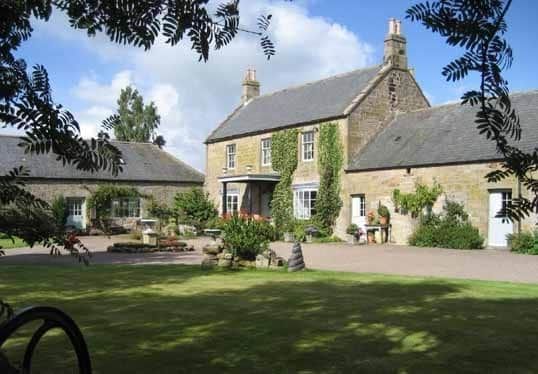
{"points": [[248, 150], [462, 183], [163, 192], [396, 92]]}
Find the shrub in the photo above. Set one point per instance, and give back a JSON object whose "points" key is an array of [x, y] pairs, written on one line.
{"points": [[383, 211], [247, 238], [195, 208], [352, 229], [525, 242], [327, 239], [216, 223], [450, 230], [59, 211], [301, 228]]}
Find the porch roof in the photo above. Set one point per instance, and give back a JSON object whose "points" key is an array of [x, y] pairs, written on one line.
{"points": [[245, 178]]}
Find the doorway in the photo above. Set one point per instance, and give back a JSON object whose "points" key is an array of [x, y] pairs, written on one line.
{"points": [[499, 225]]}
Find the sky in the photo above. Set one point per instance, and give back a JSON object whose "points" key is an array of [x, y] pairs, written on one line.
{"points": [[314, 39]]}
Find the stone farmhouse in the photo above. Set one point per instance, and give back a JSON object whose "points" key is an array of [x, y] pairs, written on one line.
{"points": [[152, 171], [392, 138]]}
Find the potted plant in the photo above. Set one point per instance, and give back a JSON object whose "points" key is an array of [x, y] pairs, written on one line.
{"points": [[384, 214], [351, 231], [289, 229], [311, 231], [371, 217]]}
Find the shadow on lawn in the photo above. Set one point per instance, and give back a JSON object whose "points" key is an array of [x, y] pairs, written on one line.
{"points": [[289, 325]]}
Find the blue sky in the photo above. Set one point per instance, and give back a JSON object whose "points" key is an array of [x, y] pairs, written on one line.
{"points": [[315, 39]]}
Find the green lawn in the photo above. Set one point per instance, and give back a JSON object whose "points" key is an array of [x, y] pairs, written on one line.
{"points": [[8, 243], [179, 319]]}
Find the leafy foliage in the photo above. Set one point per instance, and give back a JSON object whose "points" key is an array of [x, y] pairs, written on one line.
{"points": [[415, 202], [194, 207], [136, 122], [101, 201], [525, 242], [247, 238], [59, 210], [284, 161], [450, 230], [479, 27], [330, 159]]}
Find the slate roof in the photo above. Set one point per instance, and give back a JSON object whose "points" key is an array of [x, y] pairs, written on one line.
{"points": [[143, 162], [443, 135], [323, 99]]}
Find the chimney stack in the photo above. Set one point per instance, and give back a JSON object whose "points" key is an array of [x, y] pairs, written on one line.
{"points": [[395, 46], [251, 87]]}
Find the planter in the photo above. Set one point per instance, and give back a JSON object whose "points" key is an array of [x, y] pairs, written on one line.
{"points": [[371, 237], [289, 237], [351, 239], [383, 220]]}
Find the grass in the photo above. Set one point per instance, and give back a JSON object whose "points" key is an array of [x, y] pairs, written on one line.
{"points": [[9, 244], [179, 319]]}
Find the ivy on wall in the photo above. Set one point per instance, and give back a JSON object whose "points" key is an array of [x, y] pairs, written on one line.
{"points": [[415, 202], [101, 200], [330, 160], [284, 161]]}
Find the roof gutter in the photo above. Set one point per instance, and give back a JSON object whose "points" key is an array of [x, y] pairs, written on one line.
{"points": [[285, 127]]}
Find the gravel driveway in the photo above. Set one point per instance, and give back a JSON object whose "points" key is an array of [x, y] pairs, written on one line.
{"points": [[487, 264], [98, 246], [388, 259]]}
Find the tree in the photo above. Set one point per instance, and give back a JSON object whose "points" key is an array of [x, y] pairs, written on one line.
{"points": [[479, 27], [26, 97], [194, 207], [136, 122], [159, 141]]}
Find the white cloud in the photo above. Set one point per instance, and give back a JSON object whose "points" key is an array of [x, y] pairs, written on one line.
{"points": [[194, 97], [90, 90]]}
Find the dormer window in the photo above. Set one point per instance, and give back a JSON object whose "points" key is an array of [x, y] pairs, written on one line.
{"points": [[230, 156]]}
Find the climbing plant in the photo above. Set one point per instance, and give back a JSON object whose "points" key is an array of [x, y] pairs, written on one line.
{"points": [[284, 161], [101, 200], [415, 202], [330, 159]]}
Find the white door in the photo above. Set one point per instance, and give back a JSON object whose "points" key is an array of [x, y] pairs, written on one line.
{"points": [[358, 211], [75, 207], [498, 227]]}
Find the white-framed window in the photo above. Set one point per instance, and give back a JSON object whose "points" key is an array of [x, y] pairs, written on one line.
{"points": [[126, 207], [266, 152], [304, 203], [307, 145], [232, 203], [230, 156], [74, 207]]}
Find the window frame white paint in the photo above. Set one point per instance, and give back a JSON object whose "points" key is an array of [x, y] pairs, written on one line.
{"points": [[231, 156], [266, 152], [307, 146], [230, 203], [300, 211], [131, 210]]}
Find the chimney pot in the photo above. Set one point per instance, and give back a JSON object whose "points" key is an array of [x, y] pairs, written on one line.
{"points": [[251, 87], [395, 46]]}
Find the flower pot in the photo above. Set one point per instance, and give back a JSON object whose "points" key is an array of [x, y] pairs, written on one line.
{"points": [[371, 237], [289, 237], [351, 239], [383, 220], [309, 238]]}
